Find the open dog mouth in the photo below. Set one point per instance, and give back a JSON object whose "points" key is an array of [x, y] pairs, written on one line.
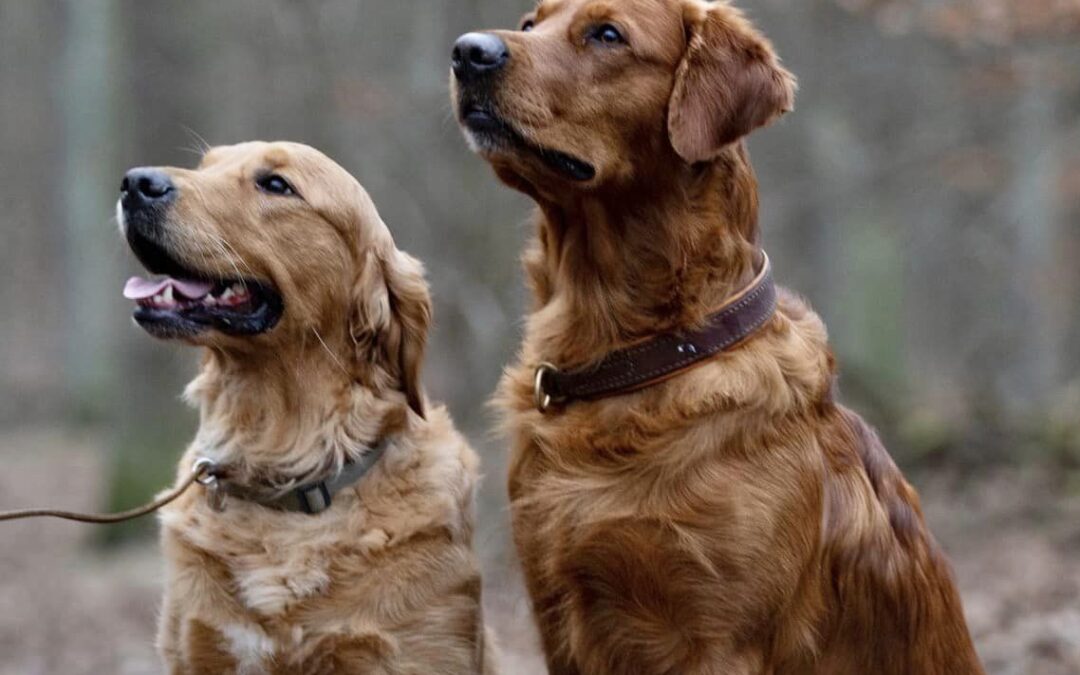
{"points": [[493, 132], [185, 302]]}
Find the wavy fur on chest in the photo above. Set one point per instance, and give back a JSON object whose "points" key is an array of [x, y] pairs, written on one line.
{"points": [[384, 581], [732, 520]]}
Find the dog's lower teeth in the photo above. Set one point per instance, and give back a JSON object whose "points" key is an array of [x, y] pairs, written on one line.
{"points": [[232, 295]]}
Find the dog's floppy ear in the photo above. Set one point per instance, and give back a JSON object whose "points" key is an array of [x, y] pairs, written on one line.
{"points": [[730, 82], [392, 319]]}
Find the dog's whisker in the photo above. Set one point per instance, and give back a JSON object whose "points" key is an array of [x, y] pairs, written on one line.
{"points": [[202, 145], [209, 236], [190, 150], [203, 251], [329, 351], [222, 244], [227, 251], [237, 257]]}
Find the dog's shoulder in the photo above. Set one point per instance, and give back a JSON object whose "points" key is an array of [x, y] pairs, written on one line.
{"points": [[427, 480]]}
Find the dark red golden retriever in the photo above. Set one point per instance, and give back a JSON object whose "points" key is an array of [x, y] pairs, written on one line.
{"points": [[732, 517]]}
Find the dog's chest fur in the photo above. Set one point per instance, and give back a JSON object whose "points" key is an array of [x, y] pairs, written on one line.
{"points": [[258, 589], [667, 512], [274, 568], [702, 525]]}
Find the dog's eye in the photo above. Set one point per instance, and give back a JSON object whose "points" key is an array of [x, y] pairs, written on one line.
{"points": [[607, 34], [275, 185], [528, 25]]}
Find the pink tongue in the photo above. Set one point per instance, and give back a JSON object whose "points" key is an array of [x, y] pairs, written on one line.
{"points": [[138, 288]]}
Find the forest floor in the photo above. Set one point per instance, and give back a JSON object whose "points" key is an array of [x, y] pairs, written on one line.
{"points": [[68, 608]]}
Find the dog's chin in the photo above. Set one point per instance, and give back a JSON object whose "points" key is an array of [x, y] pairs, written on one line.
{"points": [[227, 306], [498, 141]]}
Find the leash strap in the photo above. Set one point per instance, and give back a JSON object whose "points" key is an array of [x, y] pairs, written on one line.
{"points": [[200, 471], [311, 498], [663, 356]]}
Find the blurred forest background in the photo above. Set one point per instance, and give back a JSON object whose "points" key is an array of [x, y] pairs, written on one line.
{"points": [[925, 196]]}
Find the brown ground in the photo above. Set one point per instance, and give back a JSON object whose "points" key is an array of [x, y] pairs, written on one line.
{"points": [[67, 609]]}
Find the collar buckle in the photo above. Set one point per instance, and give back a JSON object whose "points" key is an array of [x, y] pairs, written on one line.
{"points": [[541, 398]]}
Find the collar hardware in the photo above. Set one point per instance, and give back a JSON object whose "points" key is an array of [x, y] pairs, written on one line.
{"points": [[311, 498], [663, 356], [541, 397]]}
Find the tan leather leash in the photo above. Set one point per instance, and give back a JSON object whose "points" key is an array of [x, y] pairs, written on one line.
{"points": [[203, 472]]}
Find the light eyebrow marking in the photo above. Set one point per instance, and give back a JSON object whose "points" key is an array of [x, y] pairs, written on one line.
{"points": [[545, 8]]}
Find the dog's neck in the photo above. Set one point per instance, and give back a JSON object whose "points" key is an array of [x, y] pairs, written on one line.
{"points": [[286, 417], [618, 266]]}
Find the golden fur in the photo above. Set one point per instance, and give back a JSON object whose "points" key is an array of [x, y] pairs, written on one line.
{"points": [[385, 581], [735, 519]]}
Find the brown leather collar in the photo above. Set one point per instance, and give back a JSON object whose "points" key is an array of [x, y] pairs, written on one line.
{"points": [[663, 356]]}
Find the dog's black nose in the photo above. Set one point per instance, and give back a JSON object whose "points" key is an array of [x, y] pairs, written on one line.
{"points": [[146, 187], [478, 54]]}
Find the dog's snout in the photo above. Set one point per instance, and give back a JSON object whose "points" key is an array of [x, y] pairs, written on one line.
{"points": [[478, 54], [146, 187]]}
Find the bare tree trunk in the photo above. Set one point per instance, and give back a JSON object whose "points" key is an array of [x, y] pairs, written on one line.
{"points": [[1034, 214], [31, 299], [88, 190]]}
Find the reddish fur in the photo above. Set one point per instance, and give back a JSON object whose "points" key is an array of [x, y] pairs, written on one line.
{"points": [[733, 519]]}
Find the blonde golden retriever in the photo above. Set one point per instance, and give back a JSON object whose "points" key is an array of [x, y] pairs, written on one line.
{"points": [[732, 519], [313, 328]]}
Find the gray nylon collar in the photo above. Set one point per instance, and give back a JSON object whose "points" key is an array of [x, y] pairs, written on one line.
{"points": [[311, 498]]}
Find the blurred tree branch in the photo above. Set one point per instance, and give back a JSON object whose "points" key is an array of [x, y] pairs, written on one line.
{"points": [[994, 22]]}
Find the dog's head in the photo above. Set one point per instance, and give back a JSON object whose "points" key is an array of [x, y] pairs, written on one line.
{"points": [[269, 248], [594, 92]]}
